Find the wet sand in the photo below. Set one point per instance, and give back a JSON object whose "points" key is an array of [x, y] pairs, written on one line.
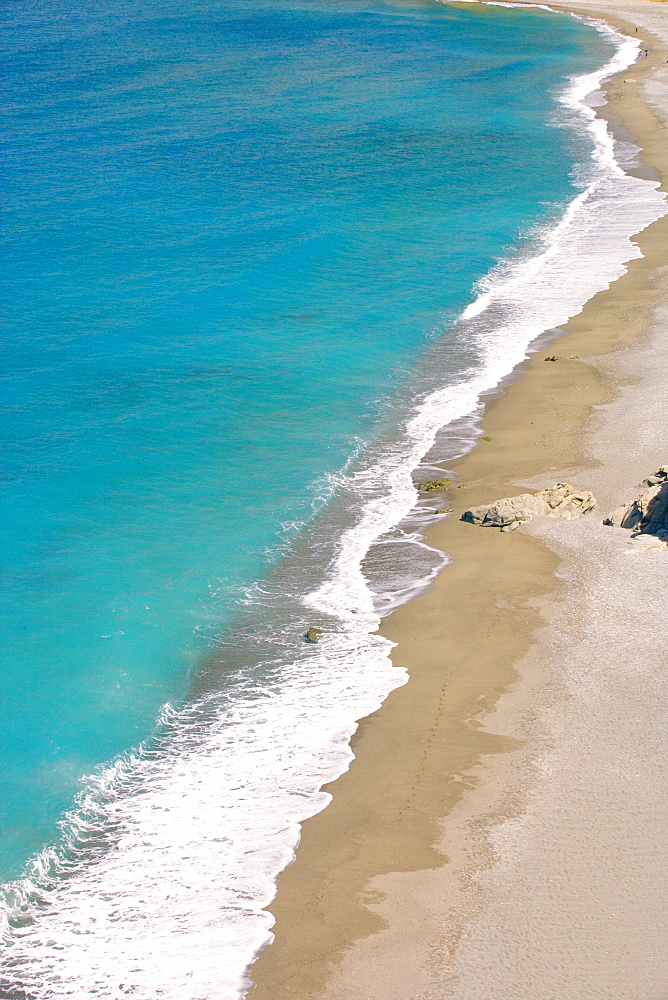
{"points": [[500, 831]]}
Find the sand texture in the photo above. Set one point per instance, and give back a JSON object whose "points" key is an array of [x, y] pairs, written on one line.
{"points": [[501, 833]]}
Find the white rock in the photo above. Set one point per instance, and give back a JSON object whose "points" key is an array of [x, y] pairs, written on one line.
{"points": [[507, 514]]}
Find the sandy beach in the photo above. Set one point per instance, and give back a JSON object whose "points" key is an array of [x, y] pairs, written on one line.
{"points": [[501, 832]]}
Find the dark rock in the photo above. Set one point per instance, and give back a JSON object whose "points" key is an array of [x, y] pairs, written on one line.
{"points": [[431, 485]]}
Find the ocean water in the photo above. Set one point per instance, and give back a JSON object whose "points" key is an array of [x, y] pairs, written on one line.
{"points": [[258, 262]]}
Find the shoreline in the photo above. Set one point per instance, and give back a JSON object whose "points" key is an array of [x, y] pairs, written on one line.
{"points": [[379, 873]]}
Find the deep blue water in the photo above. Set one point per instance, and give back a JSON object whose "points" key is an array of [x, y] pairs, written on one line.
{"points": [[231, 230]]}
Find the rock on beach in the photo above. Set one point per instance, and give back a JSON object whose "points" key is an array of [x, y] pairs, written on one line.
{"points": [[561, 500], [647, 515]]}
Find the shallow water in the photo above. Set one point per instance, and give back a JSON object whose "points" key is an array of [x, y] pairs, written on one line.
{"points": [[239, 244]]}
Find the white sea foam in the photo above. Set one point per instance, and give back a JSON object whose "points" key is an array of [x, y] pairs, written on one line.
{"points": [[174, 852]]}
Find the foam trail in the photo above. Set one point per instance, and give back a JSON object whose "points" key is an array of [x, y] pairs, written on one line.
{"points": [[174, 852]]}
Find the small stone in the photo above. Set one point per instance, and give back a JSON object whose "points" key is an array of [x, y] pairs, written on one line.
{"points": [[659, 477]]}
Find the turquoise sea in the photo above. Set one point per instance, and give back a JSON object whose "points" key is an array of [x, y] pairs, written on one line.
{"points": [[239, 240]]}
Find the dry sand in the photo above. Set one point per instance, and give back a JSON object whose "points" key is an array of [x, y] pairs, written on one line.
{"points": [[502, 830]]}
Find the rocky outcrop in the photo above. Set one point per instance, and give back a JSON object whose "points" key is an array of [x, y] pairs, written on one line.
{"points": [[432, 485], [508, 514], [647, 515]]}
